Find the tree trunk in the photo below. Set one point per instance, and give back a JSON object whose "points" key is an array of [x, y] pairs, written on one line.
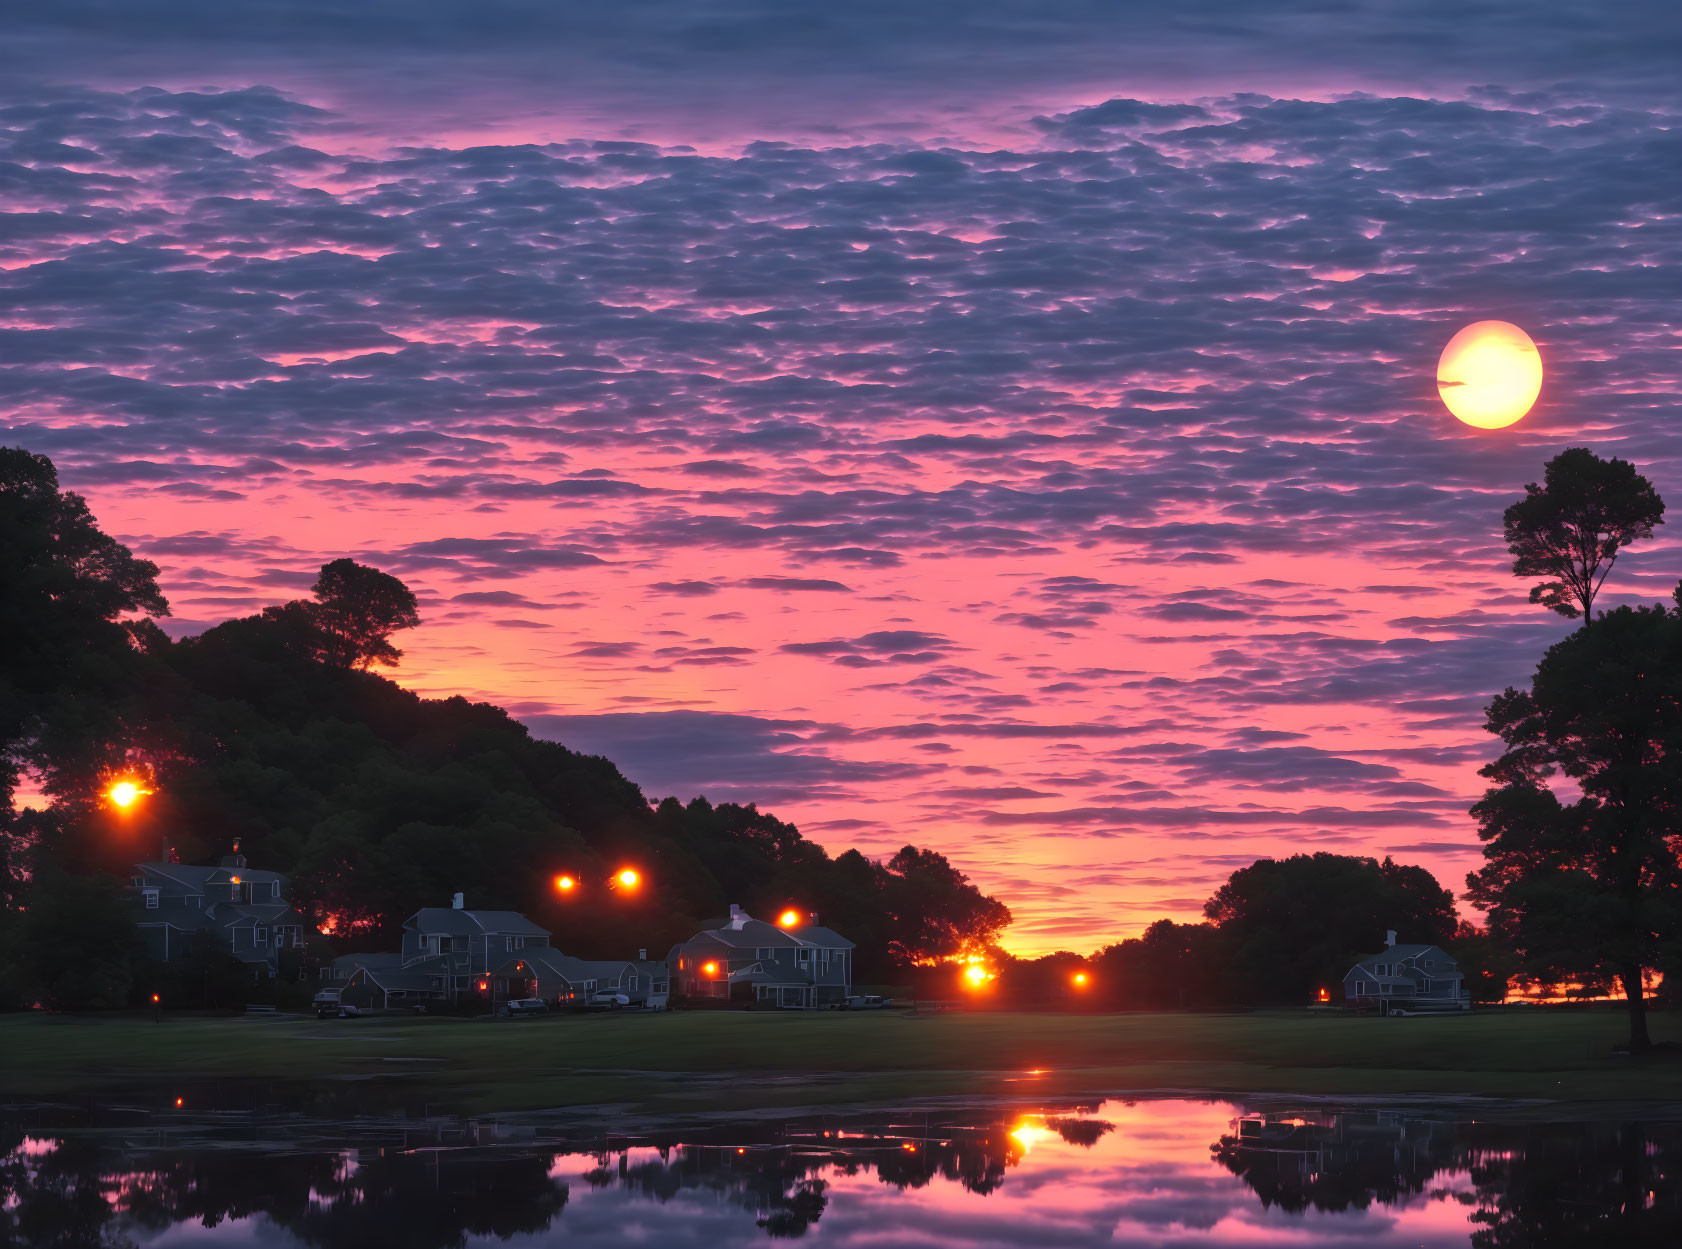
{"points": [[1636, 995]]}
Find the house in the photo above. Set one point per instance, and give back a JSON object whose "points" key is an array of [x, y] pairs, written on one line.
{"points": [[465, 947], [383, 982], [560, 978], [1419, 976], [247, 909], [747, 959]]}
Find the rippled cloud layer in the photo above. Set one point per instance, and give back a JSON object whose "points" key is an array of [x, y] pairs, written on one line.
{"points": [[1076, 502]]}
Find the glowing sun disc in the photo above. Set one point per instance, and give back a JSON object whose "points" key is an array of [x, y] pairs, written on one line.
{"points": [[1489, 374]]}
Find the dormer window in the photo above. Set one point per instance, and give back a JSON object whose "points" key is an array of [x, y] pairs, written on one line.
{"points": [[151, 896]]}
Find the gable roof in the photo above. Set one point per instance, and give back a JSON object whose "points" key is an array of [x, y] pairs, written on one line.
{"points": [[826, 938], [464, 923], [1401, 954]]}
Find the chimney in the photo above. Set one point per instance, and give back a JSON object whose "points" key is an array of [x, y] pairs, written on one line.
{"points": [[738, 917], [812, 920], [1389, 938], [459, 902], [642, 956]]}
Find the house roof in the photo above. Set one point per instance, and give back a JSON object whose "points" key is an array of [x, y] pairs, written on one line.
{"points": [[751, 935], [196, 878], [827, 938], [551, 962], [371, 961], [1399, 954], [389, 978], [464, 923]]}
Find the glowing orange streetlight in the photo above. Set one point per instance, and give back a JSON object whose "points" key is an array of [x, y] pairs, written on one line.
{"points": [[789, 918], [124, 794], [629, 878], [156, 999], [565, 884]]}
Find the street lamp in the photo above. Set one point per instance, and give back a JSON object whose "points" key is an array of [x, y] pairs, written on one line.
{"points": [[565, 884], [628, 877], [789, 918], [125, 793]]}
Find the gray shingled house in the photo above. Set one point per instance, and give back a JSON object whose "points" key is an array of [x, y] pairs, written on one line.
{"points": [[246, 908], [1407, 977], [745, 959]]}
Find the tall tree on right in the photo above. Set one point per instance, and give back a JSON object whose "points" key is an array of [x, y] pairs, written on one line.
{"points": [[1569, 529], [1584, 878], [1582, 826]]}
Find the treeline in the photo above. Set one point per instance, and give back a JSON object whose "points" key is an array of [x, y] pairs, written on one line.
{"points": [[271, 730], [1275, 934]]}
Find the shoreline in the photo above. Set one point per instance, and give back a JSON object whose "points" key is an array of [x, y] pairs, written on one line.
{"points": [[714, 1062]]}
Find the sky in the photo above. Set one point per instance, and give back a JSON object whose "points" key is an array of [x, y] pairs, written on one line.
{"points": [[1004, 427]]}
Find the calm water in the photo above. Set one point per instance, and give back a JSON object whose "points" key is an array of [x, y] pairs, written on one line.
{"points": [[1178, 1172]]}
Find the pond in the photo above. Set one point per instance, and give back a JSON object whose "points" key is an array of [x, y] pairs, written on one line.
{"points": [[1178, 1171]]}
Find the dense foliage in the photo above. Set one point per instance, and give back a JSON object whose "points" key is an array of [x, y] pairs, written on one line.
{"points": [[1583, 821], [269, 731], [1582, 824]]}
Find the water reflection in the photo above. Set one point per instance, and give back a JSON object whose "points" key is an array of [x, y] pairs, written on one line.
{"points": [[1146, 1172]]}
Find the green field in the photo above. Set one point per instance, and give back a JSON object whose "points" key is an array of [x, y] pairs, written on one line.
{"points": [[742, 1060]]}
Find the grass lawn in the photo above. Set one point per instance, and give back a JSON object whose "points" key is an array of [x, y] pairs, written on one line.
{"points": [[740, 1060]]}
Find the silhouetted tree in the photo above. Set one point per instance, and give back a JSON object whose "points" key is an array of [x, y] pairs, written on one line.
{"points": [[1294, 925], [75, 944], [358, 609], [66, 659], [937, 912], [1169, 967], [1586, 883], [1570, 529]]}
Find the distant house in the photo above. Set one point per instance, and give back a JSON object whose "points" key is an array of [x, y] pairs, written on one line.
{"points": [[465, 947], [743, 958], [382, 982], [560, 978], [1404, 976], [247, 909]]}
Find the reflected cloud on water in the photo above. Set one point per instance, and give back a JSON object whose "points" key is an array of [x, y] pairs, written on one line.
{"points": [[1138, 1172]]}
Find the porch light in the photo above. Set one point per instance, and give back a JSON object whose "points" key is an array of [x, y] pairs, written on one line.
{"points": [[709, 969], [483, 985], [1325, 995]]}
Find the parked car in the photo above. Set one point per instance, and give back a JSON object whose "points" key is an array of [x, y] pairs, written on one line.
{"points": [[607, 1001], [522, 1006], [326, 1004], [868, 1001]]}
